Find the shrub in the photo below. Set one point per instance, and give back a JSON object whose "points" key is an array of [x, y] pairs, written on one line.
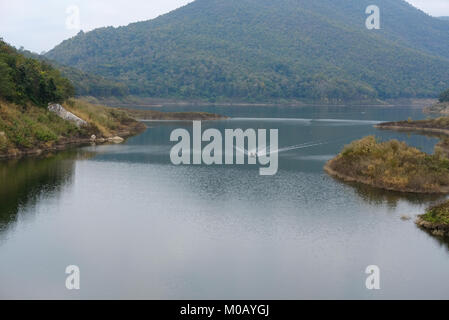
{"points": [[444, 96], [437, 214], [44, 134], [3, 141]]}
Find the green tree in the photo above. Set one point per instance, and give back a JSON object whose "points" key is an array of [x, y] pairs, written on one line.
{"points": [[25, 79], [444, 96], [7, 88]]}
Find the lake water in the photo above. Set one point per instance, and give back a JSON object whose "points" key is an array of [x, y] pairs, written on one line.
{"points": [[140, 227]]}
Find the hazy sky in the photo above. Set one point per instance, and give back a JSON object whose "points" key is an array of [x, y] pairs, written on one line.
{"points": [[39, 25]]}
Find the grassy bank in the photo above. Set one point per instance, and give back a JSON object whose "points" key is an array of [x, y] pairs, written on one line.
{"points": [[28, 129], [391, 165], [436, 220], [104, 121]]}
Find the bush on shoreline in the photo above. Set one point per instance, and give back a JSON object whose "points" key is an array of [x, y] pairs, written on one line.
{"points": [[436, 220], [437, 214], [444, 96]]}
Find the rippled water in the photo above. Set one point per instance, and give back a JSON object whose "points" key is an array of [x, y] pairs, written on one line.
{"points": [[140, 227]]}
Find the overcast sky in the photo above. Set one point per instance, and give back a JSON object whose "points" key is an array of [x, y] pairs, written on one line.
{"points": [[39, 25]]}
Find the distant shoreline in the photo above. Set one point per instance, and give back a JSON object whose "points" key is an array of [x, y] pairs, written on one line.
{"points": [[131, 101], [151, 115], [412, 129]]}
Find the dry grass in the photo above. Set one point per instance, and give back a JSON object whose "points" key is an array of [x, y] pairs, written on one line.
{"points": [[29, 127], [392, 165], [107, 120]]}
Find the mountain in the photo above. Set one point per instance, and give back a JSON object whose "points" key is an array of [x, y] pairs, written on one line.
{"points": [[444, 18], [270, 50]]}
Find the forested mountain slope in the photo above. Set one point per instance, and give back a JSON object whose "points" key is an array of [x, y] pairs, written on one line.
{"points": [[85, 84], [271, 49]]}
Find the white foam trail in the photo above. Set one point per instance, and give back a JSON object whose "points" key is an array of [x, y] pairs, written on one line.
{"points": [[289, 148], [271, 119], [244, 151], [297, 147]]}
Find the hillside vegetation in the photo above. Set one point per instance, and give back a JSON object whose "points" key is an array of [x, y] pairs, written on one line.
{"points": [[391, 165], [37, 129], [260, 50], [25, 80], [85, 83], [27, 86]]}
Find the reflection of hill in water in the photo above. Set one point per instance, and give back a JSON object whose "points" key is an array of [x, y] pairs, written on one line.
{"points": [[24, 181]]}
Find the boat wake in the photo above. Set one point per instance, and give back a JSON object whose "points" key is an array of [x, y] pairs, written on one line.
{"points": [[257, 153]]}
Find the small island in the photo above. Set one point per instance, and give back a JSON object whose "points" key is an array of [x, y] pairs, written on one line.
{"points": [[395, 166], [436, 220], [391, 165]]}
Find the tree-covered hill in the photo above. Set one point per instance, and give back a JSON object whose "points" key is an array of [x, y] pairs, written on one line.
{"points": [[86, 84], [271, 49], [27, 127], [24, 80]]}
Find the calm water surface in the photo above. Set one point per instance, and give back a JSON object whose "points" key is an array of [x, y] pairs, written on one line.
{"points": [[139, 227]]}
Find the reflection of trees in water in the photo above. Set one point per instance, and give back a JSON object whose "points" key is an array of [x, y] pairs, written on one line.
{"points": [[377, 196], [23, 181], [443, 242]]}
